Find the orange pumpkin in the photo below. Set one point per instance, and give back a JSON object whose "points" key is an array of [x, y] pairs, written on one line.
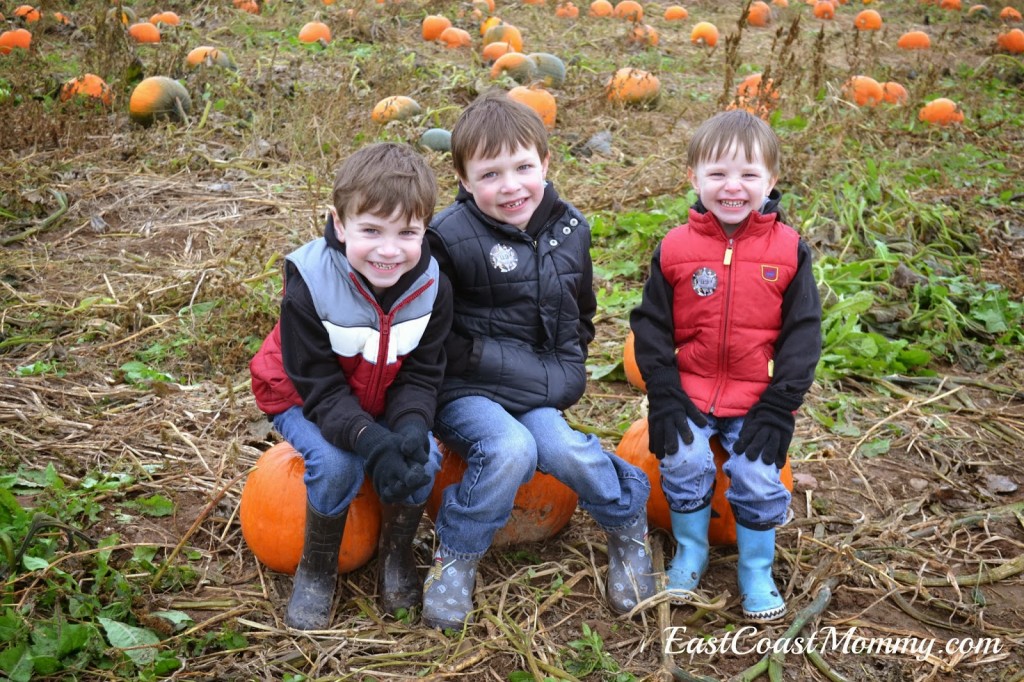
{"points": [[704, 33], [27, 13], [273, 514], [752, 87], [205, 54], [487, 24], [642, 34], [633, 375], [542, 507], [1009, 15], [954, 5], [87, 85], [453, 38], [914, 40], [504, 33], [941, 111], [538, 99], [868, 20], [630, 10], [780, 3], [169, 18], [675, 13], [634, 448], [515, 64], [315, 32], [979, 12], [395, 108], [144, 32], [863, 90], [824, 10], [601, 8], [759, 14], [158, 97], [491, 53], [894, 93], [434, 25], [1011, 41], [633, 86], [567, 10], [19, 38]]}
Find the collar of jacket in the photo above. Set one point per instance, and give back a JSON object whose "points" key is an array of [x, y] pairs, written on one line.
{"points": [[391, 294], [757, 220]]}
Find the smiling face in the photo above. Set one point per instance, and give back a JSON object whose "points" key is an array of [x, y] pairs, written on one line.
{"points": [[380, 249], [508, 187], [732, 185]]}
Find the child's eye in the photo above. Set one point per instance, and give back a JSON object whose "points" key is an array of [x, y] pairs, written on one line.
{"points": [[488, 175], [526, 167]]}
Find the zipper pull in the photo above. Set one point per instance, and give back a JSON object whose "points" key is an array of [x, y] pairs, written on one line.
{"points": [[771, 368], [728, 256]]}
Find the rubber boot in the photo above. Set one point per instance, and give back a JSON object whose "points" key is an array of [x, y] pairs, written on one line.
{"points": [[690, 530], [313, 590], [630, 573], [398, 583], [448, 591], [761, 598]]}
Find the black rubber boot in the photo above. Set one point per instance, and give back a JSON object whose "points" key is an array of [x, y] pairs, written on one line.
{"points": [[398, 582], [313, 591]]}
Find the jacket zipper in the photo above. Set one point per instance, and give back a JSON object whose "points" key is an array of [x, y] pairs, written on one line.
{"points": [[723, 352]]}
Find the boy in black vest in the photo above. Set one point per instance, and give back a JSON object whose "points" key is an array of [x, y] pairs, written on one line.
{"points": [[349, 374], [727, 337], [519, 261]]}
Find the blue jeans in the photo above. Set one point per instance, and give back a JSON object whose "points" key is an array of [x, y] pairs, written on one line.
{"points": [[756, 494], [333, 475], [502, 452]]}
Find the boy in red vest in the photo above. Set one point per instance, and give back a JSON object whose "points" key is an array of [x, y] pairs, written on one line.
{"points": [[349, 375], [727, 338]]}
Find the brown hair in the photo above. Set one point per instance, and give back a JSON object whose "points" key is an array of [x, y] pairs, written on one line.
{"points": [[716, 136], [382, 178], [493, 123]]}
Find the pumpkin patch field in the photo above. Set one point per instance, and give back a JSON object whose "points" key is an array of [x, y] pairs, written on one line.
{"points": [[159, 158]]}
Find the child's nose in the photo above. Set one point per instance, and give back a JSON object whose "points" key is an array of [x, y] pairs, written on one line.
{"points": [[388, 247]]}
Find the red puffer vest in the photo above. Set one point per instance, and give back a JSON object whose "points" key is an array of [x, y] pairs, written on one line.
{"points": [[727, 306]]}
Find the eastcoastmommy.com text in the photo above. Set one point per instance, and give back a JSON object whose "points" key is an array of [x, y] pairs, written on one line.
{"points": [[745, 640]]}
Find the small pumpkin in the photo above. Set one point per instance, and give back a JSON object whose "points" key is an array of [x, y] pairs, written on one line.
{"points": [[27, 13], [894, 93], [538, 99], [1010, 15], [454, 38], [675, 13], [759, 14], [144, 32], [567, 10], [168, 18], [633, 375], [914, 40], [395, 108], [628, 10], [781, 3], [979, 12], [542, 507], [436, 139], [868, 20], [249, 6], [159, 97], [863, 90], [755, 87], [824, 10], [633, 86], [272, 513], [494, 51], [548, 69], [87, 85], [601, 9], [1011, 41], [315, 32], [16, 38], [516, 65], [941, 111], [704, 33], [634, 448], [954, 5], [504, 33], [487, 23], [643, 35], [209, 56], [60, 18], [433, 26]]}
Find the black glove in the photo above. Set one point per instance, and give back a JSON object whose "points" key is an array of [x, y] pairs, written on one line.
{"points": [[767, 430], [415, 440], [668, 409], [394, 477]]}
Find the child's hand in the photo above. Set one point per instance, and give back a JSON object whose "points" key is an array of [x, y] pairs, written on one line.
{"points": [[670, 411], [767, 432], [415, 442], [394, 476]]}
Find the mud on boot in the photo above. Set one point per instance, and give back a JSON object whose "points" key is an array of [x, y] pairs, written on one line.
{"points": [[690, 530], [448, 591], [309, 607], [398, 582], [761, 599], [630, 577]]}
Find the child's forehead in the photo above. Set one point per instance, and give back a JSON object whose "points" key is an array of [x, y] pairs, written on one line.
{"points": [[485, 153], [733, 150]]}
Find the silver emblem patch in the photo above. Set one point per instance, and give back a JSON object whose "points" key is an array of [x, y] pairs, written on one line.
{"points": [[504, 258], [705, 281]]}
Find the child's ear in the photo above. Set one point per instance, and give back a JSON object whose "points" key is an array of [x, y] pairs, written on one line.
{"points": [[692, 177], [339, 228], [771, 185], [544, 164]]}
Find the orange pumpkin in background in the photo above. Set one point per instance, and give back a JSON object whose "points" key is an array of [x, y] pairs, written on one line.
{"points": [[633, 86], [315, 32], [538, 99], [144, 32], [941, 111], [704, 33], [19, 38], [273, 514], [87, 85], [914, 40], [601, 8], [395, 108], [633, 375], [159, 97], [434, 25], [542, 508], [635, 449]]}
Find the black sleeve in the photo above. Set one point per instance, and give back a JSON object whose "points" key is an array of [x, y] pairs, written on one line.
{"points": [[587, 301], [798, 347], [313, 367], [653, 325], [413, 395]]}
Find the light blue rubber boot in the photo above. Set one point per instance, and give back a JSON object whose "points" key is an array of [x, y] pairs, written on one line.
{"points": [[761, 598], [690, 530]]}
